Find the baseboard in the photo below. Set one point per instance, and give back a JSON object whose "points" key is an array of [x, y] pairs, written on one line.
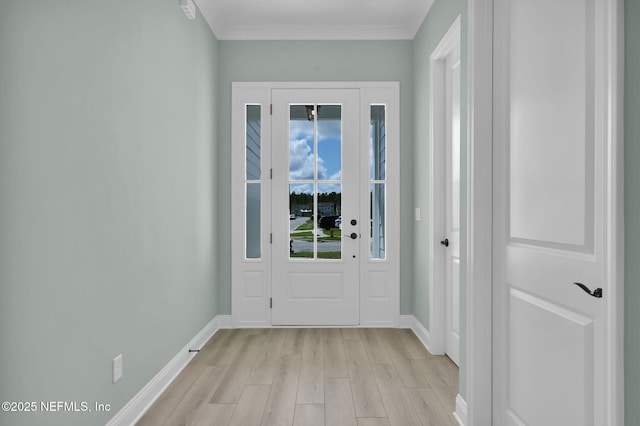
{"points": [[136, 407], [461, 411], [409, 321]]}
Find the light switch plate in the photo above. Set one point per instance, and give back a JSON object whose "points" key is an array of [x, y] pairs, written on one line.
{"points": [[117, 368], [418, 214]]}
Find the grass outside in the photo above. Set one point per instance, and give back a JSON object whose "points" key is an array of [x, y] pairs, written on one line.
{"points": [[307, 226], [321, 255], [305, 232], [302, 234]]}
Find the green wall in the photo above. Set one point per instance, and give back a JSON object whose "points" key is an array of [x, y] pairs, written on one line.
{"points": [[107, 132], [441, 16], [632, 212], [315, 61]]}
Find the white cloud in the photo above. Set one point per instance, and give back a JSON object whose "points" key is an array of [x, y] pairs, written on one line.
{"points": [[330, 129], [301, 166], [328, 188], [306, 188], [301, 157], [300, 129]]}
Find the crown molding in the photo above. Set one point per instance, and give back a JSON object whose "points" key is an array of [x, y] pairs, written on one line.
{"points": [[223, 28]]}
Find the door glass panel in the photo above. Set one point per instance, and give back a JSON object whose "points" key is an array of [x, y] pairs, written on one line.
{"points": [[329, 142], [252, 224], [253, 142], [252, 181], [329, 241], [377, 221], [378, 143], [302, 228], [377, 174], [315, 181], [302, 159]]}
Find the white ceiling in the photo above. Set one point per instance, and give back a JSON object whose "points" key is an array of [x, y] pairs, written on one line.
{"points": [[314, 19]]}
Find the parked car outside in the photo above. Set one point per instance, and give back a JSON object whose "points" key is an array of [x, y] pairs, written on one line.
{"points": [[328, 222]]}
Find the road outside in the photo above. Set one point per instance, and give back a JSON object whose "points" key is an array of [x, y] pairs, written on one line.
{"points": [[305, 243]]}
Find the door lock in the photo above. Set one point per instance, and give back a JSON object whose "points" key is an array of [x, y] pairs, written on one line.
{"points": [[445, 242]]}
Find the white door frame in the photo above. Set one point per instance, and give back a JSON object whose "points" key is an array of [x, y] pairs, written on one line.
{"points": [[437, 290], [479, 206], [251, 278]]}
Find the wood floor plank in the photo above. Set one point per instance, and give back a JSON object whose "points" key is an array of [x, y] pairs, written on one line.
{"points": [[216, 415], [335, 364], [415, 349], [351, 334], [430, 408], [338, 408], [232, 385], [441, 378], [267, 360], [169, 400], [281, 403], [378, 421], [190, 407], [226, 353], [211, 347], [399, 410], [366, 396], [311, 381], [293, 341], [376, 350], [450, 370], [250, 408], [309, 415], [409, 373]]}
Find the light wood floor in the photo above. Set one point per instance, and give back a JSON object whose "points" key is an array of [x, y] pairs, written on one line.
{"points": [[362, 377]]}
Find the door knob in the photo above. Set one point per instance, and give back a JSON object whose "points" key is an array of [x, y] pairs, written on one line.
{"points": [[353, 235], [597, 293], [445, 242]]}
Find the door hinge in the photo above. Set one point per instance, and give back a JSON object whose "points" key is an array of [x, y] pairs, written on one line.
{"points": [[270, 238], [271, 303], [271, 109], [271, 174]]}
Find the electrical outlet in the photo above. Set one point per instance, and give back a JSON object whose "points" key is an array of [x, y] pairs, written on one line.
{"points": [[117, 368]]}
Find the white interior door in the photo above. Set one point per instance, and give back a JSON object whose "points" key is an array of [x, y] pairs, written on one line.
{"points": [[551, 183], [452, 204], [316, 218]]}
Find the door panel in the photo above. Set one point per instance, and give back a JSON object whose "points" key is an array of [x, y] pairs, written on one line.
{"points": [[549, 215], [316, 178], [551, 94], [452, 203], [567, 342]]}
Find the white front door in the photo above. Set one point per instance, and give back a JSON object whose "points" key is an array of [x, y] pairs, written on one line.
{"points": [[452, 204], [316, 218], [552, 171], [315, 202]]}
